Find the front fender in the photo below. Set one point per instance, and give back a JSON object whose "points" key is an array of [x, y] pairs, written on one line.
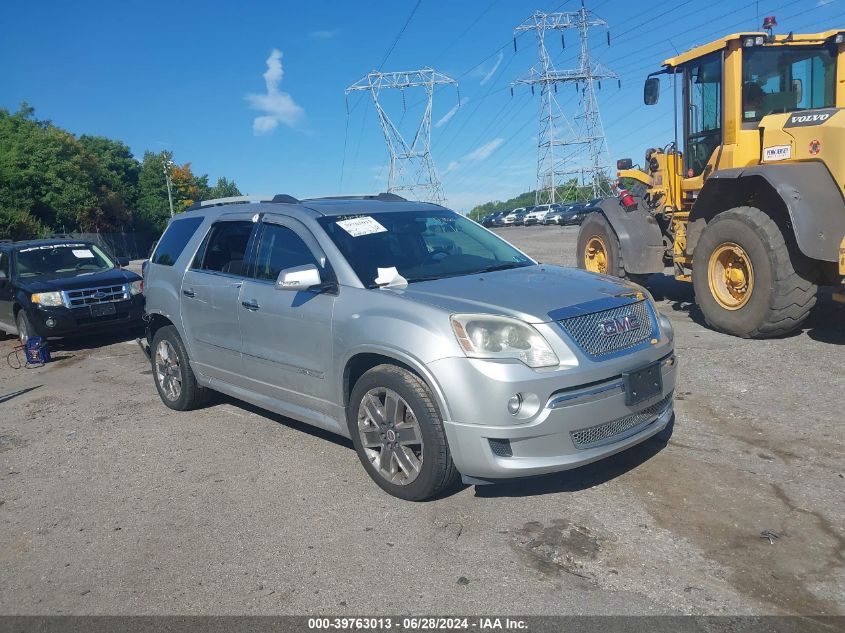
{"points": [[405, 358], [808, 191], [639, 236]]}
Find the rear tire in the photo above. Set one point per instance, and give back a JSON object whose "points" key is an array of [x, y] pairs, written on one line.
{"points": [[406, 453], [748, 281], [175, 380], [599, 250]]}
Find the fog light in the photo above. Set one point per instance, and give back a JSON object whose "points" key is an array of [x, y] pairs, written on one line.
{"points": [[50, 322], [514, 404]]}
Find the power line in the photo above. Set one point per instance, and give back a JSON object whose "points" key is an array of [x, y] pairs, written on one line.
{"points": [[399, 35]]}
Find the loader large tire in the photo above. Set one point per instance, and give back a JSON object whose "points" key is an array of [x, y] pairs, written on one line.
{"points": [[599, 250], [748, 281]]}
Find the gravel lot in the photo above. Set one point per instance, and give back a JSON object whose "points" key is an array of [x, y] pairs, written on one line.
{"points": [[112, 504]]}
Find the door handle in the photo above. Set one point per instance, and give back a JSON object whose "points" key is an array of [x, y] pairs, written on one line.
{"points": [[188, 292], [251, 305]]}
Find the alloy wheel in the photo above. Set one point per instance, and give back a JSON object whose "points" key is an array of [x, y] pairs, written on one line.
{"points": [[168, 370], [390, 435]]}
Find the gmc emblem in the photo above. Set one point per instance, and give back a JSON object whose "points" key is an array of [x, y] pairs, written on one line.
{"points": [[619, 325]]}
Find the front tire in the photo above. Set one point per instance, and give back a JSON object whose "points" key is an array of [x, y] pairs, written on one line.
{"points": [[398, 433], [748, 282], [24, 327], [175, 380]]}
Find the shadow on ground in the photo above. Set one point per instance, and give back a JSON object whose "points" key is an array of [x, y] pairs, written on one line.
{"points": [[825, 324]]}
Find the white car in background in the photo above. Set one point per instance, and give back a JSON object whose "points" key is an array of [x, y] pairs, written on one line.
{"points": [[538, 214]]}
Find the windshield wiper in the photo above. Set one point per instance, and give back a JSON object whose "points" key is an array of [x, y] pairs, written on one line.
{"points": [[506, 266]]}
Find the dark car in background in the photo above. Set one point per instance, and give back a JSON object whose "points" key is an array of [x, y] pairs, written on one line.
{"points": [[60, 288], [574, 214], [493, 219]]}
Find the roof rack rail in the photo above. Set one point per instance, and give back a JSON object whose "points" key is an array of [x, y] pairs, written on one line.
{"points": [[384, 196], [279, 198]]}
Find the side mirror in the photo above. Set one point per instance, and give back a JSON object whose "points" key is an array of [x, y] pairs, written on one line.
{"points": [[624, 163], [123, 262], [651, 90], [299, 278]]}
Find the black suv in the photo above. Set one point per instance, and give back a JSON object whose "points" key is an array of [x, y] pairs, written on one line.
{"points": [[65, 287]]}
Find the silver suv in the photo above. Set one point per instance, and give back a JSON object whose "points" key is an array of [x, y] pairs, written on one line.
{"points": [[438, 348]]}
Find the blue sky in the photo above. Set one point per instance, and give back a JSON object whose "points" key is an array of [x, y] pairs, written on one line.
{"points": [[255, 90]]}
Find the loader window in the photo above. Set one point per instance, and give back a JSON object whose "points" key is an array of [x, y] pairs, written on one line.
{"points": [[776, 80], [704, 122]]}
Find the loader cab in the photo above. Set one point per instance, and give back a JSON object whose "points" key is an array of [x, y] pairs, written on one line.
{"points": [[725, 89]]}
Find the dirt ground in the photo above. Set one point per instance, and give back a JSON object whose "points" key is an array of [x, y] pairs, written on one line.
{"points": [[112, 504]]}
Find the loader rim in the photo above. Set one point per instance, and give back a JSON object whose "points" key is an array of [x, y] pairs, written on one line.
{"points": [[595, 255], [730, 275]]}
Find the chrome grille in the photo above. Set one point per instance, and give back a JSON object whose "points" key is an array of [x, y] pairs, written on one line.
{"points": [[594, 435], [89, 296], [586, 331]]}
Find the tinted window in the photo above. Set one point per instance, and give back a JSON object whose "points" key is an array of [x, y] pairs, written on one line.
{"points": [[174, 240], [4, 266], [225, 248], [785, 80], [280, 248]]}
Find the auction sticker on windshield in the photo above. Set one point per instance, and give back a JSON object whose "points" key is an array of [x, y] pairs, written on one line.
{"points": [[83, 253], [363, 225]]}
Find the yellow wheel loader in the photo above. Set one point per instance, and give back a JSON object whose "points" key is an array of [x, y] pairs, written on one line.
{"points": [[749, 206]]}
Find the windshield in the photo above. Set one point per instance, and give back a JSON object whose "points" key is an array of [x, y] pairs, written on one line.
{"points": [[419, 245], [61, 260], [776, 80]]}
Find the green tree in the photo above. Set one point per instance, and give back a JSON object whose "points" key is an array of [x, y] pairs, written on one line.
{"points": [[224, 189], [152, 210], [44, 170]]}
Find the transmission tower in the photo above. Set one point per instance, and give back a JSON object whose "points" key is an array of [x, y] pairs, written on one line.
{"points": [[560, 145], [411, 165]]}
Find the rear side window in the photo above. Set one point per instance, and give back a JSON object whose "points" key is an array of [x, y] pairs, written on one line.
{"points": [[281, 248], [174, 240], [225, 248], [4, 266]]}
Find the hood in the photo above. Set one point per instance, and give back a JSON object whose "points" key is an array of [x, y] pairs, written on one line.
{"points": [[73, 282], [532, 293]]}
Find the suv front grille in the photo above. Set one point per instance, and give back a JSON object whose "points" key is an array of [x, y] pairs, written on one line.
{"points": [[594, 435], [89, 296], [587, 331]]}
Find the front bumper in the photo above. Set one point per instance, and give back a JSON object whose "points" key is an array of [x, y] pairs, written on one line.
{"points": [[572, 426], [62, 321]]}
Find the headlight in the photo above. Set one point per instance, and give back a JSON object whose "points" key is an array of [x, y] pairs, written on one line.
{"points": [[666, 326], [486, 336], [47, 298], [136, 287]]}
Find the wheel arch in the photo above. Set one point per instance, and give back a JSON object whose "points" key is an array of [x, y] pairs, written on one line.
{"points": [[155, 322], [365, 359], [801, 198]]}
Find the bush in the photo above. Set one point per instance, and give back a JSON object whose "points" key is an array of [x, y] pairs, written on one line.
{"points": [[18, 225]]}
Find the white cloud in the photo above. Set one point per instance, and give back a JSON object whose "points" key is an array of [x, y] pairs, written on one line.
{"points": [[485, 150], [324, 34], [493, 70], [448, 116], [277, 107], [477, 155]]}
